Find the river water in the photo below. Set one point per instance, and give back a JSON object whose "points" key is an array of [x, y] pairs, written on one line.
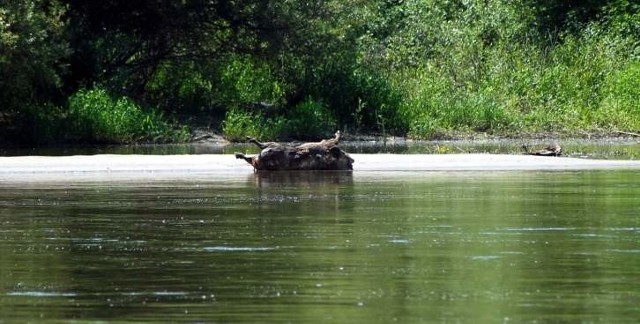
{"points": [[368, 247]]}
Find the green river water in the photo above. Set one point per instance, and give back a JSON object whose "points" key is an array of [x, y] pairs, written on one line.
{"points": [[361, 247]]}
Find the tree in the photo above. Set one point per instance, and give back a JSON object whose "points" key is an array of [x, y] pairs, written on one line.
{"points": [[32, 53], [123, 42]]}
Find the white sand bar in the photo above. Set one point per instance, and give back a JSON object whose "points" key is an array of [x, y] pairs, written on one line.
{"points": [[115, 167]]}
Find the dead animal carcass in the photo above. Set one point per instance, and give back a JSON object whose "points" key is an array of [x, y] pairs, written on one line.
{"points": [[323, 155]]}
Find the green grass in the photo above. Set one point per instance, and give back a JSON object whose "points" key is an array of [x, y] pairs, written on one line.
{"points": [[97, 117], [238, 125], [308, 120], [583, 84]]}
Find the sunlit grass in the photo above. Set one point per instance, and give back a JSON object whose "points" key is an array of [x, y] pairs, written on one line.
{"points": [[96, 117], [583, 85]]}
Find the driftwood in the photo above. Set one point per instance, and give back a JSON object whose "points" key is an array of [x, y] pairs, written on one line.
{"points": [[324, 155], [551, 150], [628, 133]]}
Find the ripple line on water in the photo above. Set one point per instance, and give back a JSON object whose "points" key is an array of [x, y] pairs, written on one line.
{"points": [[237, 249], [623, 251], [540, 229], [485, 257], [400, 241], [157, 293], [41, 294]]}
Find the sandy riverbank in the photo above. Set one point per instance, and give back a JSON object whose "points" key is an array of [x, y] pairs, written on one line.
{"points": [[158, 167]]}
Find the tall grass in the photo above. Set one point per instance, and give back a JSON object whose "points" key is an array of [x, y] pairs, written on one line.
{"points": [[308, 120], [584, 83], [240, 124], [97, 117]]}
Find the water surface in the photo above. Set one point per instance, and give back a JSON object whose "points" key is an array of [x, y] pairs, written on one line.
{"points": [[372, 247]]}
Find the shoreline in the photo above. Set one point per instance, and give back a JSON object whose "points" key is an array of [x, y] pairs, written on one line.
{"points": [[202, 135], [144, 168]]}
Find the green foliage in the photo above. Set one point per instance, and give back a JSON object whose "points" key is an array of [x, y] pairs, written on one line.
{"points": [[244, 81], [122, 43], [239, 124], [308, 120], [32, 47], [362, 100], [621, 17], [283, 69], [620, 106], [181, 88], [434, 105], [510, 82], [212, 88], [97, 117]]}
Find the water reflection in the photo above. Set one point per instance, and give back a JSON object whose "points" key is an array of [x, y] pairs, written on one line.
{"points": [[302, 178], [339, 247]]}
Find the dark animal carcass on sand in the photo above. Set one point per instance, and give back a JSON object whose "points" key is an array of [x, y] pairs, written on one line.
{"points": [[323, 155], [551, 150]]}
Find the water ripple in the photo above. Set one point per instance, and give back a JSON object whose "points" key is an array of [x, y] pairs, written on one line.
{"points": [[533, 229], [41, 294], [237, 249], [623, 251]]}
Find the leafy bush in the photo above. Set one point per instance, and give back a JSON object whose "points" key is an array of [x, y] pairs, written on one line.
{"points": [[361, 100], [575, 82], [183, 88], [421, 68], [309, 120], [620, 106], [239, 124], [32, 46], [97, 117], [243, 80]]}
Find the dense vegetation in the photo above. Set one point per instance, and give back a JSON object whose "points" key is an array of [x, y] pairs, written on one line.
{"points": [[129, 71]]}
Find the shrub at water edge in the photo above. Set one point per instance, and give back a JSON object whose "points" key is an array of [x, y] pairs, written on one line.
{"points": [[97, 117]]}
